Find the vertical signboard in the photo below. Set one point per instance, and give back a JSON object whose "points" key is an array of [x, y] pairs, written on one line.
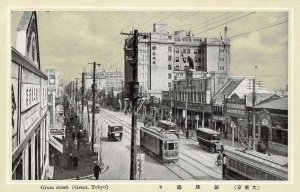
{"points": [[30, 101], [44, 96], [15, 104]]}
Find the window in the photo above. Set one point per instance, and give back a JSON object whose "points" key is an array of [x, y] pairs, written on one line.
{"points": [[169, 49], [154, 58], [169, 58], [184, 51], [175, 78], [177, 59], [169, 67], [169, 76], [154, 62], [153, 53], [171, 146], [188, 51], [199, 60], [195, 51], [176, 50], [169, 37], [221, 68], [169, 84], [153, 47], [199, 51], [279, 136]]}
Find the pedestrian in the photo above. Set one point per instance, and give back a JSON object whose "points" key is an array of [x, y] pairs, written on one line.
{"points": [[76, 144], [187, 134], [96, 171], [78, 139], [75, 159], [219, 159]]}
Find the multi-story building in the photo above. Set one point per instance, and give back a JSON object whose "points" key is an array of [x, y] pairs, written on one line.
{"points": [[163, 57], [105, 80], [30, 117], [193, 94], [53, 81]]}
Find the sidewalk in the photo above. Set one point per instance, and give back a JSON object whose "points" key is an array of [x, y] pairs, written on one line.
{"points": [[65, 164], [64, 169]]}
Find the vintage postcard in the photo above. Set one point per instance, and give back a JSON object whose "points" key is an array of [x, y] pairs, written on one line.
{"points": [[150, 98]]}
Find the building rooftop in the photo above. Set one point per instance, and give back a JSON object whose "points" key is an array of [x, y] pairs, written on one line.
{"points": [[24, 20], [260, 97], [228, 88], [279, 104]]}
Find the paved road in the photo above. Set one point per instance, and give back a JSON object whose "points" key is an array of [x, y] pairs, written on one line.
{"points": [[194, 163]]}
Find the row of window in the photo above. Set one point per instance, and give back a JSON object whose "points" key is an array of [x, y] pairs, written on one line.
{"points": [[184, 51], [255, 173], [199, 97]]}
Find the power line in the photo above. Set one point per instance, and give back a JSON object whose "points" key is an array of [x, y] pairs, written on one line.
{"points": [[217, 21], [258, 29], [210, 19], [225, 23]]}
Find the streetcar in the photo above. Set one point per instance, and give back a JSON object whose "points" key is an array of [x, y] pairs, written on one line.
{"points": [[167, 126], [161, 144], [114, 132], [209, 139], [244, 164]]}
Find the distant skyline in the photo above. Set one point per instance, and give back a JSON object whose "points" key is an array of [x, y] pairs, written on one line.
{"points": [[70, 40]]}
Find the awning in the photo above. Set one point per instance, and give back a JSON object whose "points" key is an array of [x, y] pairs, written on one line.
{"points": [[56, 144]]}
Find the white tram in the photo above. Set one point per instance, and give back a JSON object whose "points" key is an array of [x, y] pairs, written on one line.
{"points": [[161, 144], [242, 164]]}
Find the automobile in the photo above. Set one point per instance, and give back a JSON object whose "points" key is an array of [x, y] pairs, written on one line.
{"points": [[114, 132]]}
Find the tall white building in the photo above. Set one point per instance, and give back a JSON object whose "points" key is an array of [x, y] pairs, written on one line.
{"points": [[162, 57]]}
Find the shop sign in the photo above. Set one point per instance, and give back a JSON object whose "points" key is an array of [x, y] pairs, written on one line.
{"points": [[30, 117], [57, 132], [235, 109], [192, 106], [30, 95], [218, 118]]}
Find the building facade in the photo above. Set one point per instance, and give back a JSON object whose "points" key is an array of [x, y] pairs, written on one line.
{"points": [[105, 80], [163, 57], [30, 118]]}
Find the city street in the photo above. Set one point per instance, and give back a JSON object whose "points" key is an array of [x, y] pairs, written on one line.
{"points": [[194, 163]]}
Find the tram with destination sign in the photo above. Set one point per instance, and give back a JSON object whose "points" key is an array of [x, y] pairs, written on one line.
{"points": [[161, 144], [243, 164]]}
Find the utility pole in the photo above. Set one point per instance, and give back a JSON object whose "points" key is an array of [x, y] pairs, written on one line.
{"points": [[94, 94], [171, 104], [82, 97], [88, 113], [76, 97], [253, 111], [134, 89]]}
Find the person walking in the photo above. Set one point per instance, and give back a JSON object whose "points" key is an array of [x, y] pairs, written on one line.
{"points": [[96, 171]]}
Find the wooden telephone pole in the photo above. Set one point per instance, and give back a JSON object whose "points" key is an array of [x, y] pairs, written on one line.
{"points": [[134, 90], [93, 108]]}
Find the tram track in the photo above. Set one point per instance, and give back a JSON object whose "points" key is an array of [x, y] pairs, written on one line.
{"points": [[170, 168], [127, 125]]}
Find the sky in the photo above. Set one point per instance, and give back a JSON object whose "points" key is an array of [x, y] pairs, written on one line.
{"points": [[68, 41]]}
